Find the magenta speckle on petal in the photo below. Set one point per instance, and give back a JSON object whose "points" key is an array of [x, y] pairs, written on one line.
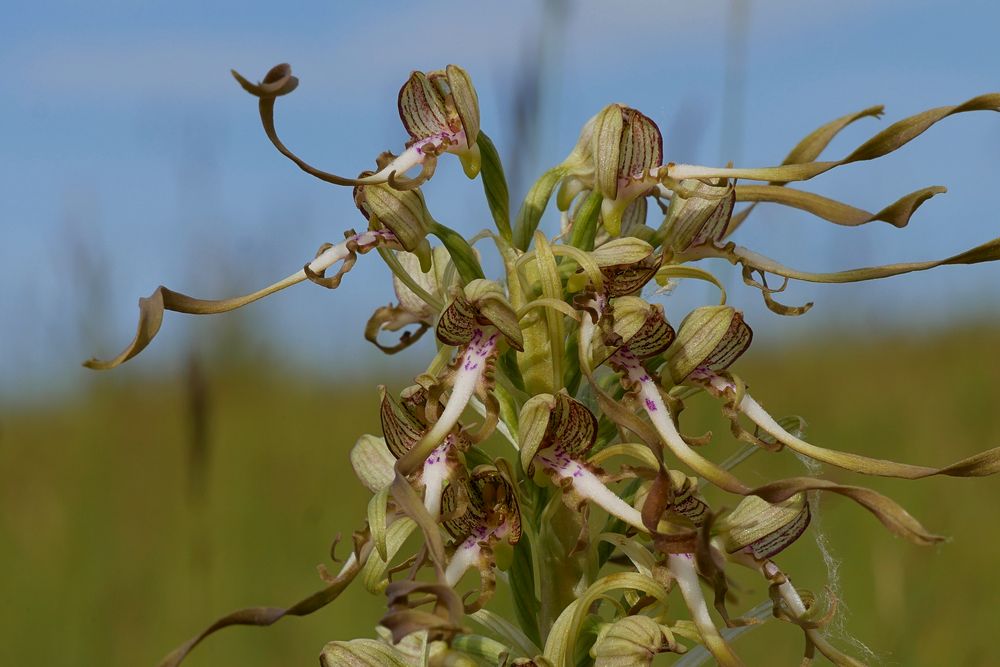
{"points": [[650, 405]]}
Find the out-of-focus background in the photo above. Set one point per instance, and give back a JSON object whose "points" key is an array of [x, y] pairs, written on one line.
{"points": [[211, 472]]}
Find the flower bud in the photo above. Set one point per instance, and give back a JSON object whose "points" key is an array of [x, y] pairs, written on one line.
{"points": [[403, 212], [762, 528], [627, 264], [633, 640], [481, 303], [711, 338], [372, 462], [699, 213]]}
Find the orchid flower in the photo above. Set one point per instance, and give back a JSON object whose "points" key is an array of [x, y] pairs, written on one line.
{"points": [[404, 426], [480, 514], [712, 338], [477, 320], [756, 531], [439, 109]]}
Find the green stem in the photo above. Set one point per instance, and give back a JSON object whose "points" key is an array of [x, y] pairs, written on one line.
{"points": [[397, 270]]}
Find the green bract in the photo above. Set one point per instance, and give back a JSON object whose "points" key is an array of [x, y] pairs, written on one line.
{"points": [[543, 440]]}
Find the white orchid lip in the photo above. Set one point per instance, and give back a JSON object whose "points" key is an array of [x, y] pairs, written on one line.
{"points": [[417, 153], [468, 376], [557, 433], [659, 415]]}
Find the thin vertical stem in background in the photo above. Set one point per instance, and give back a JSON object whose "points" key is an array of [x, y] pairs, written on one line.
{"points": [[534, 80], [196, 389], [734, 86], [734, 97]]}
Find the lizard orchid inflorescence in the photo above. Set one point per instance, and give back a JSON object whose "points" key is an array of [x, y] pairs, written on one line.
{"points": [[567, 363]]}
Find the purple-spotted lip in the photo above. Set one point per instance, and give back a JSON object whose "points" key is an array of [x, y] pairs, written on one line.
{"points": [[559, 460], [480, 349], [446, 138]]}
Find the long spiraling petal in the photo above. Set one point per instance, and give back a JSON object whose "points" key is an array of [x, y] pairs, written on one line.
{"points": [[979, 465]]}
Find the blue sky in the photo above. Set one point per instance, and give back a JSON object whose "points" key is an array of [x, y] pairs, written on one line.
{"points": [[130, 158]]}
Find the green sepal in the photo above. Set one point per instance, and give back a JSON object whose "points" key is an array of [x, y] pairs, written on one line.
{"points": [[377, 520], [373, 574], [712, 337], [530, 213], [495, 186], [606, 147], [466, 101], [585, 222], [522, 587], [461, 252]]}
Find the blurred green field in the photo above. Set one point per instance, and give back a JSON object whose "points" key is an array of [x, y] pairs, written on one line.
{"points": [[109, 558]]}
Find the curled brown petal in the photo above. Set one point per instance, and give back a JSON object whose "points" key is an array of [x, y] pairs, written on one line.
{"points": [[264, 616], [151, 310], [391, 318], [279, 81], [402, 619], [892, 515], [427, 168], [766, 291]]}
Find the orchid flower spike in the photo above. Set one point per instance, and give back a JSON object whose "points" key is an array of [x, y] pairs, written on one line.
{"points": [[526, 353]]}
